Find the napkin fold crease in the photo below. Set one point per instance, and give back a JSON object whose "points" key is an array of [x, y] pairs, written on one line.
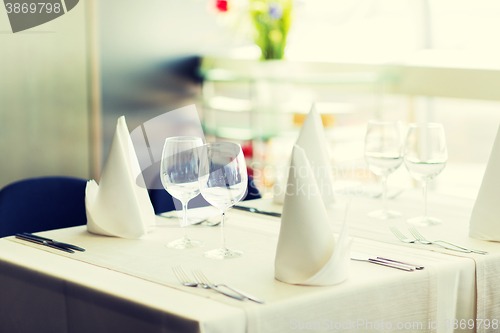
{"points": [[313, 140]]}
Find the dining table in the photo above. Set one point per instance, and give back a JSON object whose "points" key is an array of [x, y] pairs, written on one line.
{"points": [[128, 285]]}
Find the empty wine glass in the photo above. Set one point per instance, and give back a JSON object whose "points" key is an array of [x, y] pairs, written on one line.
{"points": [[383, 146], [223, 183], [179, 172], [425, 157]]}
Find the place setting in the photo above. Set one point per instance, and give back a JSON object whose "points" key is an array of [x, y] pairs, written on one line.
{"points": [[254, 254], [217, 171], [307, 252], [424, 154], [250, 166]]}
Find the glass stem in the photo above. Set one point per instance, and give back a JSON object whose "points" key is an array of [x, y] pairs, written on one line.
{"points": [[223, 236], [424, 190], [185, 220], [384, 193]]}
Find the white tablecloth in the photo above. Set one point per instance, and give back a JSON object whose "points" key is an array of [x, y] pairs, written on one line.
{"points": [[131, 281], [455, 214]]}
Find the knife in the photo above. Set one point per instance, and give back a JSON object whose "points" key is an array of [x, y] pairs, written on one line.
{"points": [[250, 297], [417, 267], [257, 211], [42, 242], [366, 258], [53, 242]]}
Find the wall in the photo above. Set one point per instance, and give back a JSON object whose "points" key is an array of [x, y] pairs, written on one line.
{"points": [[44, 109], [148, 56]]}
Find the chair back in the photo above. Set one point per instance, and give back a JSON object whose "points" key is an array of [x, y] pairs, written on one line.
{"points": [[39, 204]]}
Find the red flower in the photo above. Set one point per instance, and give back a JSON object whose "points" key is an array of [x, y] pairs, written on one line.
{"points": [[247, 150], [221, 5]]}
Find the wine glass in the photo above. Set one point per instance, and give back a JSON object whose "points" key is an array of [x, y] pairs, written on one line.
{"points": [[223, 183], [179, 172], [383, 146], [425, 157]]}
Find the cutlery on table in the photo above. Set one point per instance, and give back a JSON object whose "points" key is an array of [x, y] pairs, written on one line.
{"points": [[186, 281], [43, 242], [400, 236], [205, 280], [205, 283], [256, 210], [423, 240], [392, 264], [183, 277], [192, 221], [417, 267], [405, 239], [197, 221], [54, 242]]}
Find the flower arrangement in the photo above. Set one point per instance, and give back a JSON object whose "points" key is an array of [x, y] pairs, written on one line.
{"points": [[270, 22]]}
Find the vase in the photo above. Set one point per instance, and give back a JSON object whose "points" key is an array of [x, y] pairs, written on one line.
{"points": [[271, 91], [272, 20]]}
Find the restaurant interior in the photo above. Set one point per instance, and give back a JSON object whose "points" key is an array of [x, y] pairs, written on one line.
{"points": [[396, 99]]}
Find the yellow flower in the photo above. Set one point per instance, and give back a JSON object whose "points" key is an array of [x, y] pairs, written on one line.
{"points": [[275, 36]]}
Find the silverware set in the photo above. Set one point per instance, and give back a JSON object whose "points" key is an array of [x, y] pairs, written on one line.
{"points": [[419, 238], [215, 221], [70, 248], [401, 265], [256, 211], [201, 280]]}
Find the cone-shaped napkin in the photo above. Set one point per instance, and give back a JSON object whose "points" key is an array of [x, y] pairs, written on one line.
{"points": [[307, 253], [119, 206], [312, 139], [484, 221]]}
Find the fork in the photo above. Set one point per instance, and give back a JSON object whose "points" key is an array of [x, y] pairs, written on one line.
{"points": [[184, 279], [203, 279], [205, 283], [400, 235], [423, 240]]}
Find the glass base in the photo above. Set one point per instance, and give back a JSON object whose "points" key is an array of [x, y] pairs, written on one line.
{"points": [[221, 254], [382, 214], [424, 221], [213, 224], [185, 243], [196, 221]]}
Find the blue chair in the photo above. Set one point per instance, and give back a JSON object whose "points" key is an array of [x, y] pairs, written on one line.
{"points": [[163, 202], [39, 204]]}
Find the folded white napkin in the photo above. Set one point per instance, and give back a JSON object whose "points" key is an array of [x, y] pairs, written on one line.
{"points": [[120, 204], [307, 253], [484, 221], [313, 140]]}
